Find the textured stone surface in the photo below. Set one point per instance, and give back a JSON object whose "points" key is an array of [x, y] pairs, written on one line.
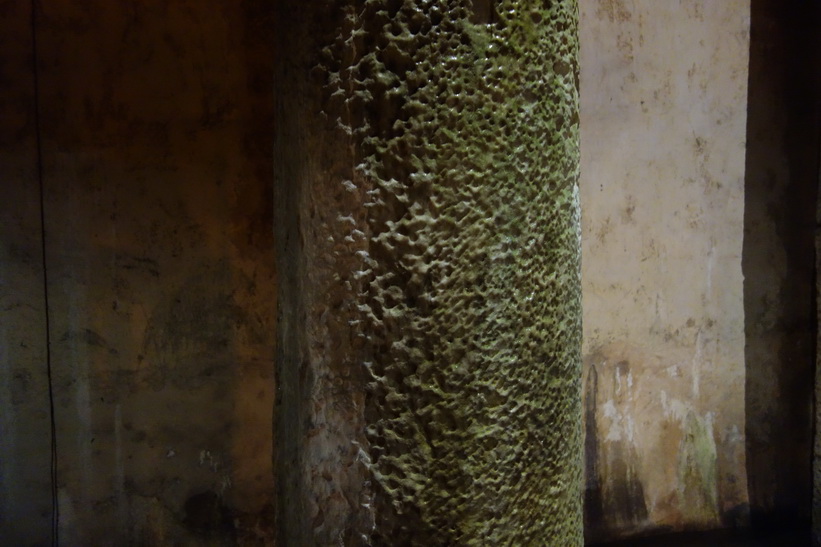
{"points": [[156, 149], [663, 91], [429, 251], [25, 477]]}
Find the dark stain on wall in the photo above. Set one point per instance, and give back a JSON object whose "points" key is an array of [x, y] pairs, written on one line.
{"points": [[207, 515], [625, 505], [612, 508], [593, 502]]}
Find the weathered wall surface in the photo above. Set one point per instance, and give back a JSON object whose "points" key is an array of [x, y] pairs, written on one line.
{"points": [[663, 91], [428, 239], [156, 125], [25, 476], [780, 196]]}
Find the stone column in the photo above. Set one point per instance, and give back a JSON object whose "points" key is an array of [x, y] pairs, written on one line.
{"points": [[427, 225]]}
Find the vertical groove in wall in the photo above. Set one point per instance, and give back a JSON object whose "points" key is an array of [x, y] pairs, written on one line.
{"points": [[428, 230], [816, 499], [25, 479], [290, 406], [816, 461], [55, 509]]}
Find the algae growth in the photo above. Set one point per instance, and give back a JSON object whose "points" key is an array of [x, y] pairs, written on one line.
{"points": [[466, 139]]}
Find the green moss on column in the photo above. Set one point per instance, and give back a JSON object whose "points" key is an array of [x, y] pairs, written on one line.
{"points": [[447, 219]]}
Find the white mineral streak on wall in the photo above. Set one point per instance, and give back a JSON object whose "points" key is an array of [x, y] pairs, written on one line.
{"points": [[663, 95]]}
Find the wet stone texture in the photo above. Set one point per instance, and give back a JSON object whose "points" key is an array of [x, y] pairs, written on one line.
{"points": [[428, 224]]}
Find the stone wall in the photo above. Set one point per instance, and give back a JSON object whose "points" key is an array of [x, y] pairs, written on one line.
{"points": [[156, 123], [25, 436], [663, 95]]}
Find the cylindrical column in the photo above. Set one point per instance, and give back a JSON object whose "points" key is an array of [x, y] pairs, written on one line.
{"points": [[428, 241]]}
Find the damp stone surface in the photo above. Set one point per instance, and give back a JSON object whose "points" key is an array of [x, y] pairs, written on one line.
{"points": [[430, 315]]}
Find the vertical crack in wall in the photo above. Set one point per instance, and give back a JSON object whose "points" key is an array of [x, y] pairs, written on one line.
{"points": [[55, 509]]}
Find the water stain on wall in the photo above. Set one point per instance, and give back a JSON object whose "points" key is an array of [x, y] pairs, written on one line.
{"points": [[191, 335], [697, 474], [614, 494]]}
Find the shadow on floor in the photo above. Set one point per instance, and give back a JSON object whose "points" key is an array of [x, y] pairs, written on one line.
{"points": [[798, 537]]}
